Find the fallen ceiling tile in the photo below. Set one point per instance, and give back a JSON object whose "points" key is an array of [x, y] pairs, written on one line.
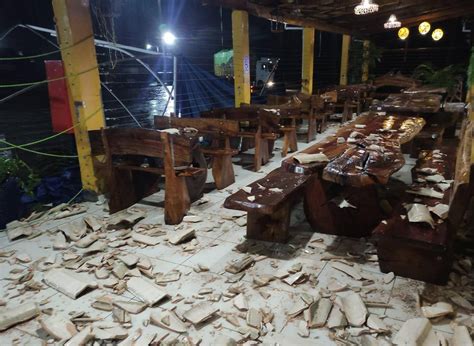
{"points": [[146, 290], [354, 309], [68, 282], [58, 327], [413, 332], [168, 320], [200, 312], [17, 314]]}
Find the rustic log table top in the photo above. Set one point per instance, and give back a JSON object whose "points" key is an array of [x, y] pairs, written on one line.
{"points": [[363, 152], [426, 89], [411, 103]]}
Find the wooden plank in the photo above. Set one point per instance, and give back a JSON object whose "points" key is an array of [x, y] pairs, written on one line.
{"points": [[267, 200], [221, 127], [145, 142], [413, 103]]}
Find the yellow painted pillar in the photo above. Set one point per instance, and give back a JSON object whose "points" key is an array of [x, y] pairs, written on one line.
{"points": [[240, 43], [365, 61], [74, 28], [307, 67], [346, 42]]}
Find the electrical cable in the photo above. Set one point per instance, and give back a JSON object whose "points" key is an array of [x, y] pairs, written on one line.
{"points": [[75, 196], [37, 152], [20, 146], [41, 54]]}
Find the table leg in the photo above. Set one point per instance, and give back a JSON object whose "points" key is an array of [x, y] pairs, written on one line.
{"points": [[321, 205], [272, 227]]}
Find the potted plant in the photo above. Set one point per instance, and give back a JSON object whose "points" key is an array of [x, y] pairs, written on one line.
{"points": [[447, 77], [16, 179]]}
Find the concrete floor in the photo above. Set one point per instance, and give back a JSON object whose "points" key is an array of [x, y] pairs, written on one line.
{"points": [[219, 237]]}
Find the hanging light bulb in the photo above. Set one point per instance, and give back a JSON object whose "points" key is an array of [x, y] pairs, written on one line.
{"points": [[437, 34], [403, 33], [366, 7], [424, 28], [392, 22]]}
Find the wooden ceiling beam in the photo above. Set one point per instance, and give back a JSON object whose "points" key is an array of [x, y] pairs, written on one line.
{"points": [[270, 14]]}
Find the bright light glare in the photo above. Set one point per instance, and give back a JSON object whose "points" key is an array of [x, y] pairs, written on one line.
{"points": [[169, 38], [270, 84], [148, 46]]}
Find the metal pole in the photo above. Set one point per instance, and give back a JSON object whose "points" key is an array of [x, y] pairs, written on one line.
{"points": [[175, 81]]}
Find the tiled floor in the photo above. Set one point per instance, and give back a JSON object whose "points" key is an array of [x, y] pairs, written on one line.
{"points": [[218, 236]]}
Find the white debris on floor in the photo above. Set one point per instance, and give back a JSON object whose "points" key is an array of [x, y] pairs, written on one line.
{"points": [[78, 275]]}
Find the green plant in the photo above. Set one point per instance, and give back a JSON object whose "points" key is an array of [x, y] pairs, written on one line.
{"points": [[15, 168], [447, 77], [357, 55]]}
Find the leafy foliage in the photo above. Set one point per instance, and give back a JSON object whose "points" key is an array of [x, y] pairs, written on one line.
{"points": [[356, 60], [447, 77], [15, 168]]}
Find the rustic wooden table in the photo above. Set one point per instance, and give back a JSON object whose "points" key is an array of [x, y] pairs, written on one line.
{"points": [[343, 196]]}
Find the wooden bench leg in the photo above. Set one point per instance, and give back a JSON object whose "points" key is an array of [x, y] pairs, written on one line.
{"points": [[261, 153], [286, 144], [312, 128], [293, 141], [122, 190], [223, 171], [257, 159], [177, 201], [323, 125], [272, 227]]}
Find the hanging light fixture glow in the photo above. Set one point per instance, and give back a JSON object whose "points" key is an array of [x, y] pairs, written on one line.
{"points": [[392, 22], [437, 34], [366, 7], [424, 28], [403, 33]]}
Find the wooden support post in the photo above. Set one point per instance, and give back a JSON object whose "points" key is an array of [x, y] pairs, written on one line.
{"points": [[470, 97], [307, 67], [346, 42], [240, 43], [76, 39], [365, 62]]}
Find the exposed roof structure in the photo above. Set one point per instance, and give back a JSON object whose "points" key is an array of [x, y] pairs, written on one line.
{"points": [[338, 15]]}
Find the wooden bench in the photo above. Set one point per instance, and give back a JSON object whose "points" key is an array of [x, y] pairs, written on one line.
{"points": [[416, 250], [219, 132], [256, 125], [312, 109], [286, 117], [129, 178], [338, 104], [269, 214]]}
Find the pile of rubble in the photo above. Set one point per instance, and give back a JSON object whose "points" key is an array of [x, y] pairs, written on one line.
{"points": [[89, 255]]}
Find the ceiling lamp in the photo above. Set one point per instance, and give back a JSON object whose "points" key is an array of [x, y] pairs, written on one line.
{"points": [[403, 33], [392, 22], [424, 28], [437, 34], [366, 7]]}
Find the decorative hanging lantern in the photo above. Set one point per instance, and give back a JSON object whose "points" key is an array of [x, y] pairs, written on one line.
{"points": [[403, 33], [366, 7], [437, 34], [392, 22], [424, 28]]}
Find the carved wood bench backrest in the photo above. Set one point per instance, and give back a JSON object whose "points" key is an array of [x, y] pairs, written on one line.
{"points": [[139, 142], [220, 127]]}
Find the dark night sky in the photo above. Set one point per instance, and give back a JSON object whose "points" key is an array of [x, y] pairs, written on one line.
{"points": [[138, 22]]}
